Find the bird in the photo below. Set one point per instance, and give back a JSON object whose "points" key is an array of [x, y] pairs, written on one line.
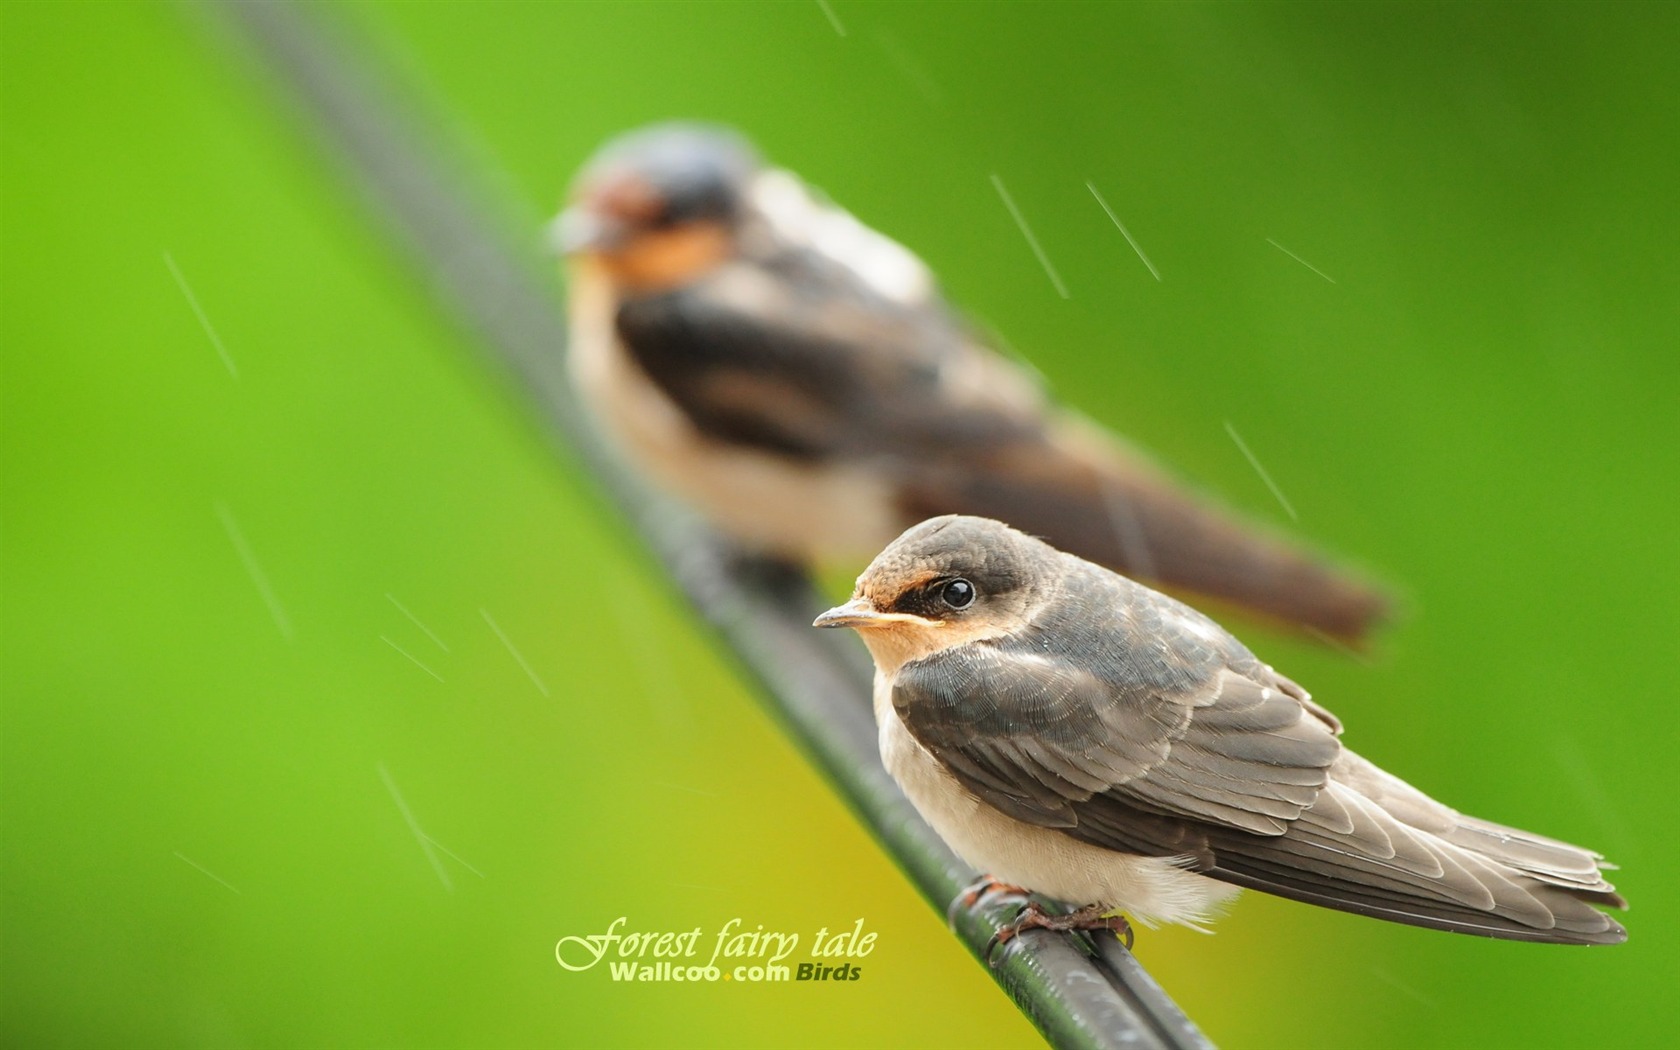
{"points": [[1071, 732], [798, 378]]}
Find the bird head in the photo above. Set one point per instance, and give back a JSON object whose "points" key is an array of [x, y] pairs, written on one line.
{"points": [[659, 206], [948, 581]]}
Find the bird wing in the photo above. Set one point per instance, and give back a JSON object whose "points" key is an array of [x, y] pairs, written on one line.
{"points": [[1119, 720], [1070, 712], [800, 357]]}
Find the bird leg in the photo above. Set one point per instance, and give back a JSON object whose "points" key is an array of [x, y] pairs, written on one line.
{"points": [[977, 891], [1033, 917]]}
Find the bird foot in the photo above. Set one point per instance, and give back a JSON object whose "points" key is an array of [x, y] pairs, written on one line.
{"points": [[977, 891], [1033, 917]]}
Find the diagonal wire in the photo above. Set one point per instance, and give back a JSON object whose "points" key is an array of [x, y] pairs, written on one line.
{"points": [[432, 209]]}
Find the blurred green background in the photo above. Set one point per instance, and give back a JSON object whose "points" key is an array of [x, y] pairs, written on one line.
{"points": [[206, 776]]}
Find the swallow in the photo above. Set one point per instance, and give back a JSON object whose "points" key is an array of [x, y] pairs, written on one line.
{"points": [[797, 377], [1073, 732]]}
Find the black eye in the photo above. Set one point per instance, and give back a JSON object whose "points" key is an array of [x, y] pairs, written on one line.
{"points": [[958, 593]]}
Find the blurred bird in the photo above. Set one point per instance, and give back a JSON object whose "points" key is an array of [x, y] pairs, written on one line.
{"points": [[797, 377], [1072, 732]]}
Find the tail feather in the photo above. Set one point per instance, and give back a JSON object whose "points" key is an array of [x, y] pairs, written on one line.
{"points": [[1573, 922], [1374, 845]]}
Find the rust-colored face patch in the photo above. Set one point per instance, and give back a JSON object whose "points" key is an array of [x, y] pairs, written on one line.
{"points": [[656, 259], [903, 594], [888, 591]]}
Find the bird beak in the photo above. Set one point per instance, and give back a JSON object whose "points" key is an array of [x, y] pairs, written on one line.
{"points": [[578, 229], [859, 612]]}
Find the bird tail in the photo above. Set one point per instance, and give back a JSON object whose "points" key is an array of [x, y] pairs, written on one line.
{"points": [[1375, 846], [1083, 493]]}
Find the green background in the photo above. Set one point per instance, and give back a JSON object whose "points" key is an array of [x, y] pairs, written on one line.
{"points": [[202, 838]]}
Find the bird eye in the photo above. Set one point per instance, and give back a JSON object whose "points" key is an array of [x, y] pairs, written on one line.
{"points": [[958, 593]]}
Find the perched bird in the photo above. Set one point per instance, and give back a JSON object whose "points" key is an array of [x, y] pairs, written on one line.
{"points": [[798, 378], [1074, 733]]}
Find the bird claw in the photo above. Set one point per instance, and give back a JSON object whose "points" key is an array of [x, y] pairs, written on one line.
{"points": [[977, 891], [1032, 916]]}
